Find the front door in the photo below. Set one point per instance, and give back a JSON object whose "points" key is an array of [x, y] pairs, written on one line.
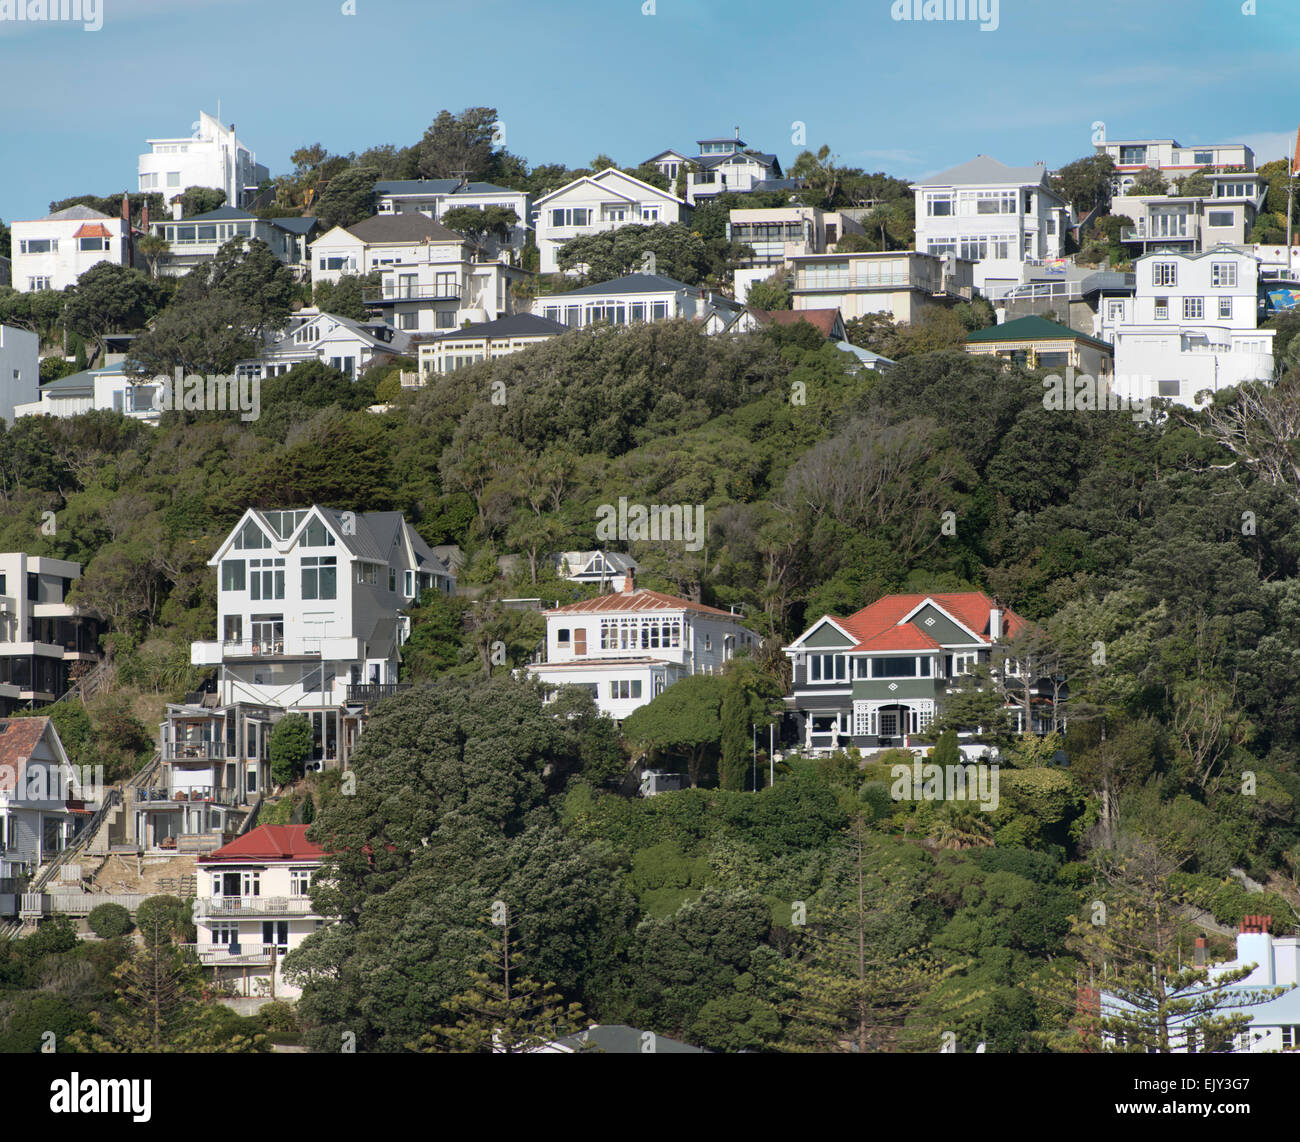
{"points": [[888, 723]]}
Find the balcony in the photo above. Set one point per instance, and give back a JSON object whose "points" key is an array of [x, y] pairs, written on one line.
{"points": [[369, 693], [196, 795], [236, 955], [225, 906], [194, 751], [395, 293]]}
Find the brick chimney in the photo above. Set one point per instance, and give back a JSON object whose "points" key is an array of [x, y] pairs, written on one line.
{"points": [[629, 581], [1202, 954], [126, 209]]}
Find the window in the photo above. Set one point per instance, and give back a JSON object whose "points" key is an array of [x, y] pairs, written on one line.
{"points": [[938, 204], [173, 178], [368, 573], [1225, 309], [276, 933], [319, 577], [658, 311], [1132, 156], [392, 581], [232, 575], [828, 668], [650, 214], [576, 216], [266, 578], [562, 637], [92, 244], [251, 536], [895, 668], [1164, 274], [408, 584], [1223, 275], [1221, 219], [234, 628], [38, 283], [580, 640], [963, 664], [625, 689], [940, 246], [1162, 309], [39, 245], [316, 534], [1114, 310], [444, 319], [1193, 308], [1169, 388], [1203, 158], [299, 881]]}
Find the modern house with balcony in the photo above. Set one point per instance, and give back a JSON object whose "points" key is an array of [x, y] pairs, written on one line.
{"points": [[42, 806], [877, 678], [1171, 158], [311, 617], [433, 197], [193, 241], [254, 907], [998, 217], [1192, 328], [595, 203], [633, 299], [210, 156], [627, 648], [485, 341], [54, 251], [443, 288], [901, 283], [42, 636], [728, 166], [778, 234], [1193, 222], [349, 346]]}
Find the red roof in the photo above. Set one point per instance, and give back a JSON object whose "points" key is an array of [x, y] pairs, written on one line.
{"points": [[268, 842], [93, 230], [821, 319], [639, 600], [18, 740], [877, 627]]}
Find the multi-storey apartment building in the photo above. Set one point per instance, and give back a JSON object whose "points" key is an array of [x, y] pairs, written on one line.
{"points": [[210, 156], [311, 616], [901, 283], [1171, 158], [254, 907], [41, 634], [603, 201], [1192, 327], [628, 647], [998, 217], [880, 676], [54, 251]]}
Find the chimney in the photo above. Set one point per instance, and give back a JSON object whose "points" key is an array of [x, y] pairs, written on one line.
{"points": [[144, 216], [995, 620], [126, 209], [1202, 951], [738, 134], [177, 207], [629, 581]]}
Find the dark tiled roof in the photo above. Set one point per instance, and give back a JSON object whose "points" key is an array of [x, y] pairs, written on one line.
{"points": [[402, 228], [516, 325]]}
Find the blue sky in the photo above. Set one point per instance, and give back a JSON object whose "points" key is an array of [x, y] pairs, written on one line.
{"points": [[572, 78]]}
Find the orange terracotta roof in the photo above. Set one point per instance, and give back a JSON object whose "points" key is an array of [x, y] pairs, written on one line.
{"points": [[93, 230], [821, 319], [877, 627], [268, 842], [18, 740], [637, 601]]}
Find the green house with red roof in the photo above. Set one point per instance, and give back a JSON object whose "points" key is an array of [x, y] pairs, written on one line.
{"points": [[879, 677]]}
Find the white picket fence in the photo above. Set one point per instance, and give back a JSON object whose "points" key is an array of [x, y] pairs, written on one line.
{"points": [[76, 903]]}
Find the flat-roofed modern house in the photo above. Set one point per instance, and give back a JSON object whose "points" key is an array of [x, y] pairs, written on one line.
{"points": [[42, 806], [209, 156], [998, 217], [195, 240], [901, 283], [42, 635], [1037, 343], [54, 251], [1171, 158], [485, 341], [1225, 214], [596, 203], [879, 676], [627, 648], [780, 233], [254, 907], [311, 617], [433, 197], [632, 299]]}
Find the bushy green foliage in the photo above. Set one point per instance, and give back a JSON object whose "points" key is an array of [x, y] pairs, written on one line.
{"points": [[109, 920]]}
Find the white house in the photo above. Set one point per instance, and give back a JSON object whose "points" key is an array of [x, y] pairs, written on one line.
{"points": [[254, 907], [54, 251], [433, 197], [998, 217], [210, 156], [596, 203], [485, 341], [727, 166], [778, 234], [1171, 158], [108, 387], [311, 616], [1192, 327], [194, 240], [627, 648], [634, 298], [901, 283], [42, 802], [41, 634], [349, 346], [444, 287], [612, 570], [376, 243], [20, 369]]}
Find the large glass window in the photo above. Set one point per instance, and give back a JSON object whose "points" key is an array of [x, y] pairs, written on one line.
{"points": [[266, 578], [319, 577], [895, 668], [251, 536], [316, 534], [232, 575]]}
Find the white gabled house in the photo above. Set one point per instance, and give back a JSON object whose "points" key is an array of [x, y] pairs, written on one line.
{"points": [[311, 617], [627, 648], [596, 203], [376, 243], [254, 907], [349, 346], [728, 166], [54, 251], [433, 197]]}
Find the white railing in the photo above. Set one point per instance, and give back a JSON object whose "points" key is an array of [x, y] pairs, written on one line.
{"points": [[259, 906]]}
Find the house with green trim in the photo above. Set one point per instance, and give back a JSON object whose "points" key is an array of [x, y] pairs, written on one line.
{"points": [[879, 677], [1037, 343]]}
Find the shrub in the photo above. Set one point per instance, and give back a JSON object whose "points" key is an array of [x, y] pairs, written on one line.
{"points": [[109, 920], [277, 1016], [290, 747]]}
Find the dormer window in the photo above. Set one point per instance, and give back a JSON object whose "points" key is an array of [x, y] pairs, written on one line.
{"points": [[317, 534]]}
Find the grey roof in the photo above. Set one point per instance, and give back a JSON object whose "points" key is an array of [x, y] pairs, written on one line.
{"points": [[866, 356], [516, 325], [437, 186], [377, 533], [771, 184], [73, 385], [382, 639], [708, 161], [294, 225], [221, 214], [985, 171], [73, 213], [630, 283], [620, 1039], [402, 228]]}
